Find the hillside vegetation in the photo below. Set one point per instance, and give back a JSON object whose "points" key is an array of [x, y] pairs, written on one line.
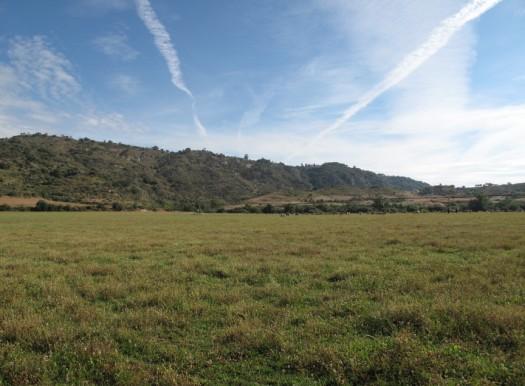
{"points": [[65, 169]]}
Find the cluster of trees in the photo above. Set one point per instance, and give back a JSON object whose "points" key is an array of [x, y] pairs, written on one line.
{"points": [[383, 205], [44, 206], [482, 204], [379, 205], [486, 189], [319, 208]]}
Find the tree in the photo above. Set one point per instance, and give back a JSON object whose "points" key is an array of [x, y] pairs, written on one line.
{"points": [[290, 208], [268, 208], [41, 206], [379, 203], [252, 209], [479, 204], [117, 206], [217, 203]]}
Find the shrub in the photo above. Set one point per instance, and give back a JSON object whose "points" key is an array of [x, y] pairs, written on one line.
{"points": [[380, 204], [41, 206], [252, 209], [290, 208], [268, 208], [117, 206], [479, 204]]}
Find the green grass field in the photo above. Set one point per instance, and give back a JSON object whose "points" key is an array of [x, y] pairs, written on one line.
{"points": [[159, 298]]}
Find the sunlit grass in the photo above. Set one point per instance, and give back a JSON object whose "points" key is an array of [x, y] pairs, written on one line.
{"points": [[144, 298]]}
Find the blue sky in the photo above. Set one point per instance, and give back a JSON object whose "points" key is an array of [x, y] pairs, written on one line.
{"points": [[268, 76]]}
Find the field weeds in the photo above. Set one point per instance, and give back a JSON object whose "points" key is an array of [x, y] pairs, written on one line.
{"points": [[163, 298]]}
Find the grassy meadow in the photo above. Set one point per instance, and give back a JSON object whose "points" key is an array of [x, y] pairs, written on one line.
{"points": [[167, 298]]}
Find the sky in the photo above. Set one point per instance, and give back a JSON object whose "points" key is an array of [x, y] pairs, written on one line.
{"points": [[273, 78]]}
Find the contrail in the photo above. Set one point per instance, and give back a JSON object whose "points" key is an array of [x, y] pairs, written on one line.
{"points": [[200, 127], [165, 46], [438, 39]]}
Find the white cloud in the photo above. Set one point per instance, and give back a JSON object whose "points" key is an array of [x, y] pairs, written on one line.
{"points": [[164, 45], [252, 116], [372, 38], [104, 122], [19, 112], [116, 45], [427, 126], [124, 83], [465, 146], [36, 69], [436, 41], [197, 121], [105, 5], [8, 79], [163, 42], [42, 69]]}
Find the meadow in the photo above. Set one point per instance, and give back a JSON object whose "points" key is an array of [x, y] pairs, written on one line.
{"points": [[135, 298]]}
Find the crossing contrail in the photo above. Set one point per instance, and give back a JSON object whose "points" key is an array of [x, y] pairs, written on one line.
{"points": [[165, 46], [438, 39]]}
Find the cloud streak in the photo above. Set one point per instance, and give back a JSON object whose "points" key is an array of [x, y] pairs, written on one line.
{"points": [[165, 46], [438, 39], [116, 45], [41, 68], [125, 84]]}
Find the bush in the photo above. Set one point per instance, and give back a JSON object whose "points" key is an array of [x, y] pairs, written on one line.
{"points": [[268, 209], [252, 209], [479, 204], [41, 206], [290, 208], [44, 206], [411, 208], [100, 206], [380, 204], [508, 205], [217, 204], [117, 207]]}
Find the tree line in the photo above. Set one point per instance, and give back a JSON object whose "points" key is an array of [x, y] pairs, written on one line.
{"points": [[480, 203]]}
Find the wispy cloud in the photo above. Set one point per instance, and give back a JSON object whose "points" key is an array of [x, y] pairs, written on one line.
{"points": [[113, 122], [41, 68], [200, 127], [439, 154], [124, 83], [36, 85], [19, 112], [100, 5], [438, 39], [116, 45], [252, 116], [163, 42]]}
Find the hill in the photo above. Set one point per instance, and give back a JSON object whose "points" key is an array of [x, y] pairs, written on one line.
{"points": [[87, 171]]}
